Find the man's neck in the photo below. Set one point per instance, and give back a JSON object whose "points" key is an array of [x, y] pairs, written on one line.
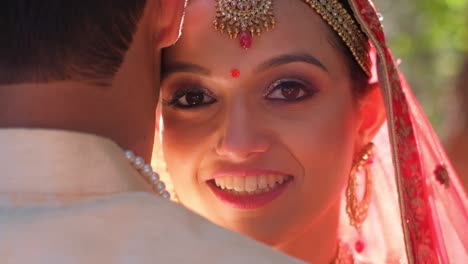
{"points": [[75, 106]]}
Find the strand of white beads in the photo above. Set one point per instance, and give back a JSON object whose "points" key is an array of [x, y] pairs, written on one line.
{"points": [[146, 171]]}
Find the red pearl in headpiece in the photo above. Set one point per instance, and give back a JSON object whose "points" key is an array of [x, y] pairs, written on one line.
{"points": [[245, 40]]}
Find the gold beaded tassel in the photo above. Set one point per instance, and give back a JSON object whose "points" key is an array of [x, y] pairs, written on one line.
{"points": [[244, 18]]}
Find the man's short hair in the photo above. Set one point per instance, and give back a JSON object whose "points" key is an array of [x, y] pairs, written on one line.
{"points": [[53, 40]]}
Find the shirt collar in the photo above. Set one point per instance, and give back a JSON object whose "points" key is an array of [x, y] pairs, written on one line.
{"points": [[63, 162]]}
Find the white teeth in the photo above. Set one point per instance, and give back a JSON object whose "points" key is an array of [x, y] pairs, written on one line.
{"points": [[228, 183], [238, 184], [271, 181], [262, 182], [279, 179], [221, 183], [251, 184]]}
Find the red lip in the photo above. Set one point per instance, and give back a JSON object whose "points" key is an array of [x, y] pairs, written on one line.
{"points": [[246, 202]]}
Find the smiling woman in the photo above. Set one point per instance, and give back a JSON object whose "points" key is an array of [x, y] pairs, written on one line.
{"points": [[272, 152]]}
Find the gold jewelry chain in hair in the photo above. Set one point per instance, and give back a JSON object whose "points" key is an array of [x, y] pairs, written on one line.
{"points": [[341, 21], [246, 18]]}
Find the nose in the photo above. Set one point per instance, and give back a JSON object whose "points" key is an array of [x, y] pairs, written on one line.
{"points": [[242, 135]]}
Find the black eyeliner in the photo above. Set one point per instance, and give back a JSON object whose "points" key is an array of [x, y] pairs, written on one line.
{"points": [[173, 101], [306, 88]]}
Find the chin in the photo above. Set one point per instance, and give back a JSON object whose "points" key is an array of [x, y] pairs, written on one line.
{"points": [[269, 227]]}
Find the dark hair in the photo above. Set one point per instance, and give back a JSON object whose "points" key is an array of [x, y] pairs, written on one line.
{"points": [[358, 76], [51, 40]]}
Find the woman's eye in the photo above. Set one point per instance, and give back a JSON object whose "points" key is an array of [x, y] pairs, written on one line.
{"points": [[288, 90], [191, 98]]}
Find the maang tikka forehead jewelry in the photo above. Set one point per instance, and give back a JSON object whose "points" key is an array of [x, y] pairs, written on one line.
{"points": [[244, 19]]}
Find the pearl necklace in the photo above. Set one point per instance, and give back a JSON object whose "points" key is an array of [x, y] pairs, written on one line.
{"points": [[146, 171]]}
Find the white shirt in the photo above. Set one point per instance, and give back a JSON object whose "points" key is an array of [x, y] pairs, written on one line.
{"points": [[68, 197]]}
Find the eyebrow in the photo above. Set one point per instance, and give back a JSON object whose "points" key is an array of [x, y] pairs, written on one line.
{"points": [[290, 58], [271, 63]]}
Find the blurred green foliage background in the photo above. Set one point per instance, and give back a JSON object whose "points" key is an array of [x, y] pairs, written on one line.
{"points": [[430, 37]]}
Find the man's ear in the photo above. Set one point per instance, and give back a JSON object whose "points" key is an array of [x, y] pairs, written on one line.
{"points": [[372, 113], [170, 18]]}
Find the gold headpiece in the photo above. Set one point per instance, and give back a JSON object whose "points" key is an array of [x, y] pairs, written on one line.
{"points": [[246, 18]]}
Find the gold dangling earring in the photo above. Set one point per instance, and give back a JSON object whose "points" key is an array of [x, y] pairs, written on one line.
{"points": [[357, 210]]}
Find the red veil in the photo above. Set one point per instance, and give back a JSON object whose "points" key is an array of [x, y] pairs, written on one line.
{"points": [[419, 211]]}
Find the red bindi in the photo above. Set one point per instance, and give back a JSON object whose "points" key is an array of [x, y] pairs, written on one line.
{"points": [[235, 73]]}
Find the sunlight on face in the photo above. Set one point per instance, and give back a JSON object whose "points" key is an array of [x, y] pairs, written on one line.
{"points": [[275, 143]]}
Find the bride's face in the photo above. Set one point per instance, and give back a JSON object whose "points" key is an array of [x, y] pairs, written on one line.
{"points": [[266, 153]]}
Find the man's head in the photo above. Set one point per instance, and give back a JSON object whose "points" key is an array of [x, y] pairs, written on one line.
{"points": [[90, 66]]}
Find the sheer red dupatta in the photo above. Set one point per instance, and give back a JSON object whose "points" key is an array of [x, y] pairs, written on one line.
{"points": [[419, 211]]}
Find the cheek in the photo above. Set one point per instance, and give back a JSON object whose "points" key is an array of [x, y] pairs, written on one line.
{"points": [[182, 137], [322, 143], [184, 144]]}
